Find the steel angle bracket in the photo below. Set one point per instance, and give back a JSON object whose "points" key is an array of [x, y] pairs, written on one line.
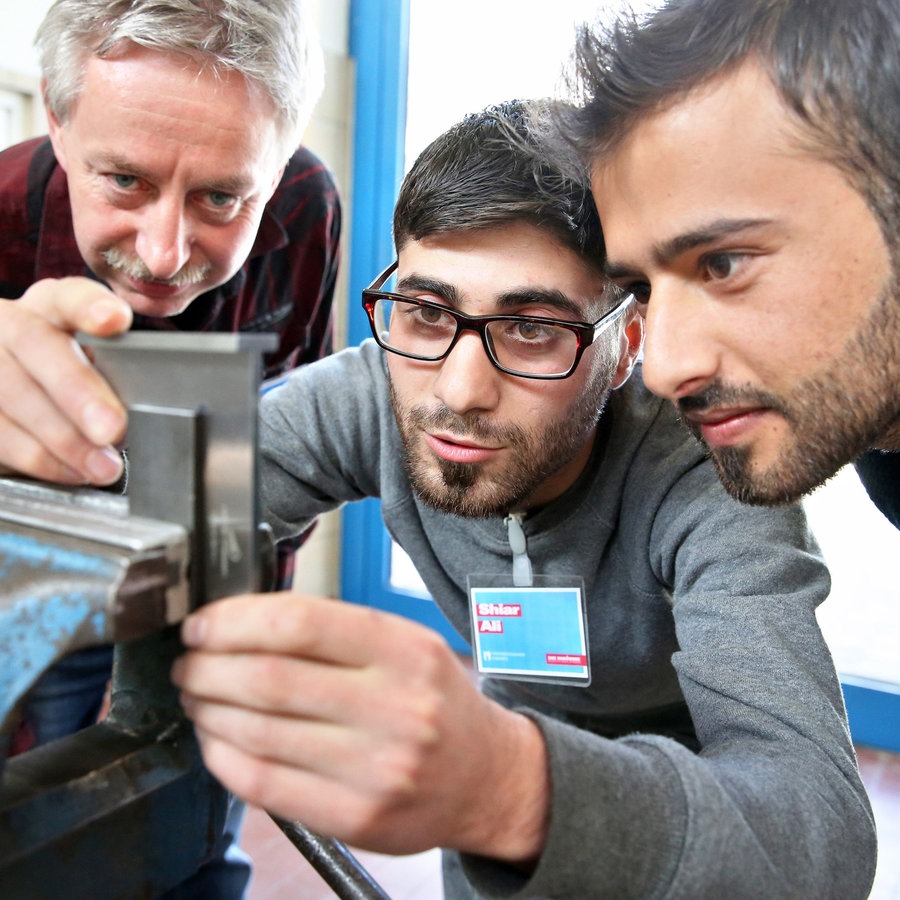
{"points": [[216, 378]]}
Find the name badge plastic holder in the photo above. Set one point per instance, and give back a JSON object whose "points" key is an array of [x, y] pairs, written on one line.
{"points": [[536, 632]]}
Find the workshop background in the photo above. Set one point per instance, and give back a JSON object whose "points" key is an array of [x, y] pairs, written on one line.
{"points": [[398, 72]]}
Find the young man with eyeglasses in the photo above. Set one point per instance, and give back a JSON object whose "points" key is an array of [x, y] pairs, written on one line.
{"points": [[659, 715]]}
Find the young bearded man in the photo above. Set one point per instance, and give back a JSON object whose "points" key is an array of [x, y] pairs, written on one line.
{"points": [[744, 156]]}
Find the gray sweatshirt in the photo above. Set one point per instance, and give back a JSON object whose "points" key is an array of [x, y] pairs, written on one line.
{"points": [[710, 755]]}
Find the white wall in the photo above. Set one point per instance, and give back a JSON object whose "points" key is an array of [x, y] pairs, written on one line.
{"points": [[330, 134], [861, 618], [20, 22], [21, 114]]}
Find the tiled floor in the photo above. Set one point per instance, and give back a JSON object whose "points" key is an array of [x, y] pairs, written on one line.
{"points": [[881, 774], [283, 874]]}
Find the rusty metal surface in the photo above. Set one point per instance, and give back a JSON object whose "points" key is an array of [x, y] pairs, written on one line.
{"points": [[124, 809], [78, 573], [107, 814]]}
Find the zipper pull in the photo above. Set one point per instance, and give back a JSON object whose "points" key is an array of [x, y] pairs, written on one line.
{"points": [[522, 574]]}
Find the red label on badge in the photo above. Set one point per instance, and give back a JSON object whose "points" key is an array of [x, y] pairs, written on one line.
{"points": [[566, 659], [499, 609], [490, 626]]}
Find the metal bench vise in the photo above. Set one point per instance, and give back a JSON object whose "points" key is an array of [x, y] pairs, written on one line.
{"points": [[125, 808]]}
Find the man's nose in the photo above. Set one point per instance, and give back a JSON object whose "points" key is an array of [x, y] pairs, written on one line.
{"points": [[467, 380], [680, 351], [163, 240]]}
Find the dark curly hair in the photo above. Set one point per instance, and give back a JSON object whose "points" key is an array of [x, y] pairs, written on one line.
{"points": [[835, 64], [488, 170]]}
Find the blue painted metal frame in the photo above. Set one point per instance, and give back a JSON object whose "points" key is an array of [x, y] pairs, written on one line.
{"points": [[379, 42], [873, 708]]}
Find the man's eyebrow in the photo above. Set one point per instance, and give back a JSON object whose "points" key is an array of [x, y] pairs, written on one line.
{"points": [[664, 252], [227, 185], [507, 300], [426, 284], [544, 296], [232, 185], [120, 164]]}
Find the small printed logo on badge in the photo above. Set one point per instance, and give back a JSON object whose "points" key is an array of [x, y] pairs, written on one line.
{"points": [[566, 659]]}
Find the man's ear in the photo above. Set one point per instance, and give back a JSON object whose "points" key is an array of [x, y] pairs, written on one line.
{"points": [[55, 129], [629, 349]]}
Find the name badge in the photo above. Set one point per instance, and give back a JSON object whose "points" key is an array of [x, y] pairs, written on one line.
{"points": [[534, 633]]}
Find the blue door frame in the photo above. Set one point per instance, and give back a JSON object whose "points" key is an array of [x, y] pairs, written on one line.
{"points": [[379, 42]]}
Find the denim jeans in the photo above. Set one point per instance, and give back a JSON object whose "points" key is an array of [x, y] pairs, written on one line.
{"points": [[68, 696]]}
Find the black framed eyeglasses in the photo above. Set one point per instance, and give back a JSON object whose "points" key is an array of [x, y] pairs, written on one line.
{"points": [[526, 346]]}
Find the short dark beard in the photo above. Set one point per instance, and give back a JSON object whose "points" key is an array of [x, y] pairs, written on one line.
{"points": [[508, 490], [833, 417], [459, 487], [453, 490]]}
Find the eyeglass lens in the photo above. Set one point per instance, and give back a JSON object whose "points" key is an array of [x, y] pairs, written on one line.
{"points": [[526, 346]]}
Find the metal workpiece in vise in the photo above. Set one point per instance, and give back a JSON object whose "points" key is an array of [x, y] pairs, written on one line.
{"points": [[125, 808]]}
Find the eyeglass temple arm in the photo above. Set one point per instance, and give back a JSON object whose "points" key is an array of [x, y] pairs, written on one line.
{"points": [[613, 316]]}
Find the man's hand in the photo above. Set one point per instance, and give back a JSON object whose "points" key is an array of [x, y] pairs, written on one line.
{"points": [[363, 726], [58, 417]]}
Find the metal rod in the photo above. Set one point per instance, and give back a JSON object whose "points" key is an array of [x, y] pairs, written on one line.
{"points": [[337, 866]]}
